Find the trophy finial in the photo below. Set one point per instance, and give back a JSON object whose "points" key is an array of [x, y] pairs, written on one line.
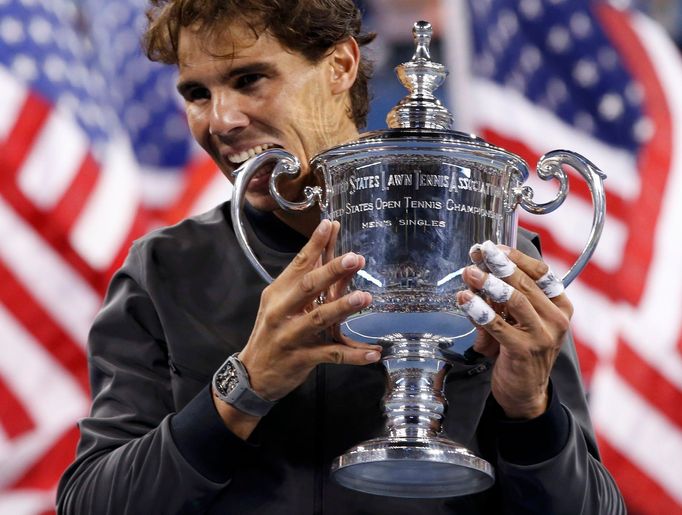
{"points": [[422, 32], [420, 109]]}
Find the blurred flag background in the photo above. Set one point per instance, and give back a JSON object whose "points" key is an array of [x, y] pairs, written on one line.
{"points": [[94, 152]]}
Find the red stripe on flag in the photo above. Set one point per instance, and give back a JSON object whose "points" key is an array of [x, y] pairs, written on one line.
{"points": [[66, 212], [14, 419], [654, 158], [45, 473], [38, 322], [649, 382], [642, 494], [199, 174], [27, 127]]}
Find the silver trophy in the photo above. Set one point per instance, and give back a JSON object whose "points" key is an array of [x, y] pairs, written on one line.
{"points": [[413, 199]]}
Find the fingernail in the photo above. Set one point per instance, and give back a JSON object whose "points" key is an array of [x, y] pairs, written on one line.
{"points": [[356, 298], [475, 272], [463, 297], [324, 226], [349, 260], [372, 356], [475, 253]]}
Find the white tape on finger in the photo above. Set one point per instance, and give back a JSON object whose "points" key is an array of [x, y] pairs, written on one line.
{"points": [[478, 310], [550, 284], [497, 289], [497, 261]]}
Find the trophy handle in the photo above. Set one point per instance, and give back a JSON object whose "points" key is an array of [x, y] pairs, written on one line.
{"points": [[550, 167], [285, 162]]}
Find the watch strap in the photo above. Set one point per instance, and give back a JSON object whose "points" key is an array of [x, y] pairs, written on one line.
{"points": [[231, 385]]}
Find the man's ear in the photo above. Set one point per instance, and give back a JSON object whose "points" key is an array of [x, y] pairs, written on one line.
{"points": [[344, 60]]}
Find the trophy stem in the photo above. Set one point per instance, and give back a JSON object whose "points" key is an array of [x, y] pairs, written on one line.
{"points": [[414, 458], [414, 403]]}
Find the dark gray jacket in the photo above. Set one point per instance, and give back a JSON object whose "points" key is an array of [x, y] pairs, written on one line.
{"points": [[184, 300]]}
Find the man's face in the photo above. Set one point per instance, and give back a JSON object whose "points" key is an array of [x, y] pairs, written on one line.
{"points": [[258, 97]]}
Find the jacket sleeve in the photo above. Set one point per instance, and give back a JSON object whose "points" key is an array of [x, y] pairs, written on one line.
{"points": [[551, 465], [561, 473], [128, 458]]}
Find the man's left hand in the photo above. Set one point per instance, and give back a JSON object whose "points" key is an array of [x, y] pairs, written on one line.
{"points": [[524, 331]]}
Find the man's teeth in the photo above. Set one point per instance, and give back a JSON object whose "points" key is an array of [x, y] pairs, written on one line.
{"points": [[246, 154]]}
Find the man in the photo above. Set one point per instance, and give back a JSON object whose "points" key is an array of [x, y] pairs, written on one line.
{"points": [[257, 74]]}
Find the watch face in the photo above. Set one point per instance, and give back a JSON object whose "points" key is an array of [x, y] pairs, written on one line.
{"points": [[227, 379]]}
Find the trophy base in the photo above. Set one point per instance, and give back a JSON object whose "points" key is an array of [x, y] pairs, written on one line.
{"points": [[412, 467]]}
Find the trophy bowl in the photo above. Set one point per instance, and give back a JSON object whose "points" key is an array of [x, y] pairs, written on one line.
{"points": [[413, 199]]}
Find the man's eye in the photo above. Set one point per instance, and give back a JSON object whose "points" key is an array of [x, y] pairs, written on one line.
{"points": [[194, 94], [248, 80]]}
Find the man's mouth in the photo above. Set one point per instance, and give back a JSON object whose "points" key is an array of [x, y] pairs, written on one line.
{"points": [[240, 157]]}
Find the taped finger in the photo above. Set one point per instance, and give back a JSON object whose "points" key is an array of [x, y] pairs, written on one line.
{"points": [[475, 308], [550, 284], [497, 289], [497, 261]]}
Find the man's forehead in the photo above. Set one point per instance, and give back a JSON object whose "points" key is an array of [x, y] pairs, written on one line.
{"points": [[235, 41]]}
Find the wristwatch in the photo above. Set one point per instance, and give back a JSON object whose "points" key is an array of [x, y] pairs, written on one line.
{"points": [[231, 385]]}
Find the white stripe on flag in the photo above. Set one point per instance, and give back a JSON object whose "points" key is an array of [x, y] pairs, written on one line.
{"points": [[26, 502], [13, 97], [160, 187], [110, 211], [59, 289], [54, 160], [49, 393], [637, 430]]}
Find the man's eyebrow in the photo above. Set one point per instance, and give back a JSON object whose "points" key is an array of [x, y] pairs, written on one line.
{"points": [[237, 71], [251, 68]]}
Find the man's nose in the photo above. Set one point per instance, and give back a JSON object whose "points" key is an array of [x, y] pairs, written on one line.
{"points": [[227, 114]]}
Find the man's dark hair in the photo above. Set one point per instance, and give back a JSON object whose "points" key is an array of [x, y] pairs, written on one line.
{"points": [[309, 27]]}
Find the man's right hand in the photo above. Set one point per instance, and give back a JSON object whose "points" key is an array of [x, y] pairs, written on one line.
{"points": [[288, 339]]}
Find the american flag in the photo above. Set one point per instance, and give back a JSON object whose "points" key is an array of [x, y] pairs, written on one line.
{"points": [[94, 148], [604, 81]]}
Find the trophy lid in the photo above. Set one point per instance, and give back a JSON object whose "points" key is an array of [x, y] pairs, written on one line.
{"points": [[420, 109]]}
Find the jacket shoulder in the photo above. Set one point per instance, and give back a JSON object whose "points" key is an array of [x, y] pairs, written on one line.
{"points": [[192, 244], [190, 230], [528, 242]]}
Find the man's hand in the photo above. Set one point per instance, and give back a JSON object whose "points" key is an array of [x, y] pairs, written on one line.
{"points": [[288, 339], [525, 340]]}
